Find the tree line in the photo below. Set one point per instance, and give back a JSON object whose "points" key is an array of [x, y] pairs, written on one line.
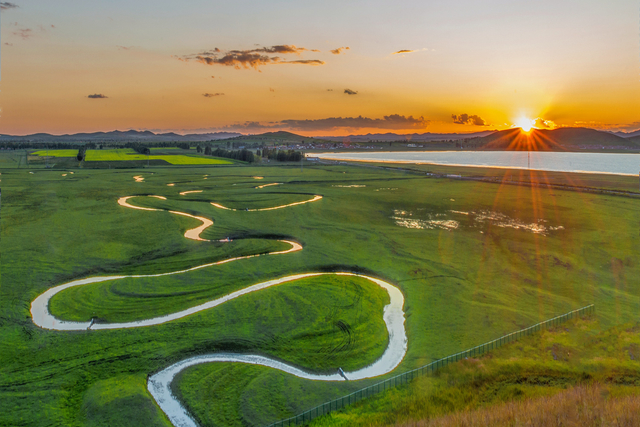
{"points": [[242, 155], [281, 155]]}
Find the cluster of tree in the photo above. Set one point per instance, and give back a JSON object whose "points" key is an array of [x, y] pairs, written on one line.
{"points": [[183, 145], [281, 155], [243, 155], [138, 148], [82, 151]]}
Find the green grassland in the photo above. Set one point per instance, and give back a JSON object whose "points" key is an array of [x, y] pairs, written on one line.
{"points": [[462, 286], [577, 353], [127, 154]]}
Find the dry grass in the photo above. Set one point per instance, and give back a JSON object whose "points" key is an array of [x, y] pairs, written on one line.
{"points": [[579, 406]]}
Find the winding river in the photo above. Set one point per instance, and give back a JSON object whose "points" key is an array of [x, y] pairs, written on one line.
{"points": [[159, 384]]}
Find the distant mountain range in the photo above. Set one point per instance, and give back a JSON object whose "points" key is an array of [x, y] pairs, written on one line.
{"points": [[627, 134], [119, 136], [414, 137], [511, 139], [561, 139]]}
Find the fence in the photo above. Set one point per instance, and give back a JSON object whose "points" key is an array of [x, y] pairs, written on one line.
{"points": [[405, 377]]}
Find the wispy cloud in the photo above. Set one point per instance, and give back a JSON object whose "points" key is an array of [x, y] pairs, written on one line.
{"points": [[124, 47], [211, 95], [250, 58], [466, 119], [27, 33], [304, 61], [24, 33], [284, 48], [5, 5], [339, 50], [402, 52], [97, 96], [350, 92]]}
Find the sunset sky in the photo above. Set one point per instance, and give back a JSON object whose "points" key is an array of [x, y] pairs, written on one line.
{"points": [[317, 68]]}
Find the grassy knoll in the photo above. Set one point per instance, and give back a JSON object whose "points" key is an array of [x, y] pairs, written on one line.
{"points": [[130, 299], [518, 381], [462, 286], [128, 154], [349, 326]]}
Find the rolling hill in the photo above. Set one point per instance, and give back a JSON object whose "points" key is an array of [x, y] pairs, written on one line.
{"points": [[563, 139]]}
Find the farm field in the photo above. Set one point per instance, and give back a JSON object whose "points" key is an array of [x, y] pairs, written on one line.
{"points": [[473, 260], [127, 154], [55, 153]]}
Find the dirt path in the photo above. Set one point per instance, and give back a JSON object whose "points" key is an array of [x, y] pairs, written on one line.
{"points": [[315, 199], [159, 383]]}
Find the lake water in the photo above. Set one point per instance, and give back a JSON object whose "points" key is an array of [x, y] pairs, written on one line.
{"points": [[613, 163]]}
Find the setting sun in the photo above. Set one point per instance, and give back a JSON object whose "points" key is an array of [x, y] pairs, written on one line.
{"points": [[525, 124]]}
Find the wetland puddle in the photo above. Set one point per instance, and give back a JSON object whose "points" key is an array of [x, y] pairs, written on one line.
{"points": [[454, 219]]}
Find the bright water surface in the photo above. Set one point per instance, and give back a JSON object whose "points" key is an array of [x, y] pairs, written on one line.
{"points": [[614, 163]]}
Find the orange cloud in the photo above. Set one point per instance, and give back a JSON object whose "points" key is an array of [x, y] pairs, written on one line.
{"points": [[541, 123], [304, 61], [466, 119], [339, 50]]}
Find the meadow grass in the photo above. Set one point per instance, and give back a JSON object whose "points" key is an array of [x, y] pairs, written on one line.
{"points": [[462, 286], [10, 159], [582, 405], [536, 378]]}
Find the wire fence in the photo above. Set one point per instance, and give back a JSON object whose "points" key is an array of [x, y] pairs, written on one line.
{"points": [[405, 377]]}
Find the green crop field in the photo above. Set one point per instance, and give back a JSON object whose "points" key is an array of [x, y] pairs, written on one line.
{"points": [[127, 154], [474, 260], [55, 153]]}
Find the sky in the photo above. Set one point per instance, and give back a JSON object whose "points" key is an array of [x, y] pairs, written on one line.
{"points": [[318, 68]]}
